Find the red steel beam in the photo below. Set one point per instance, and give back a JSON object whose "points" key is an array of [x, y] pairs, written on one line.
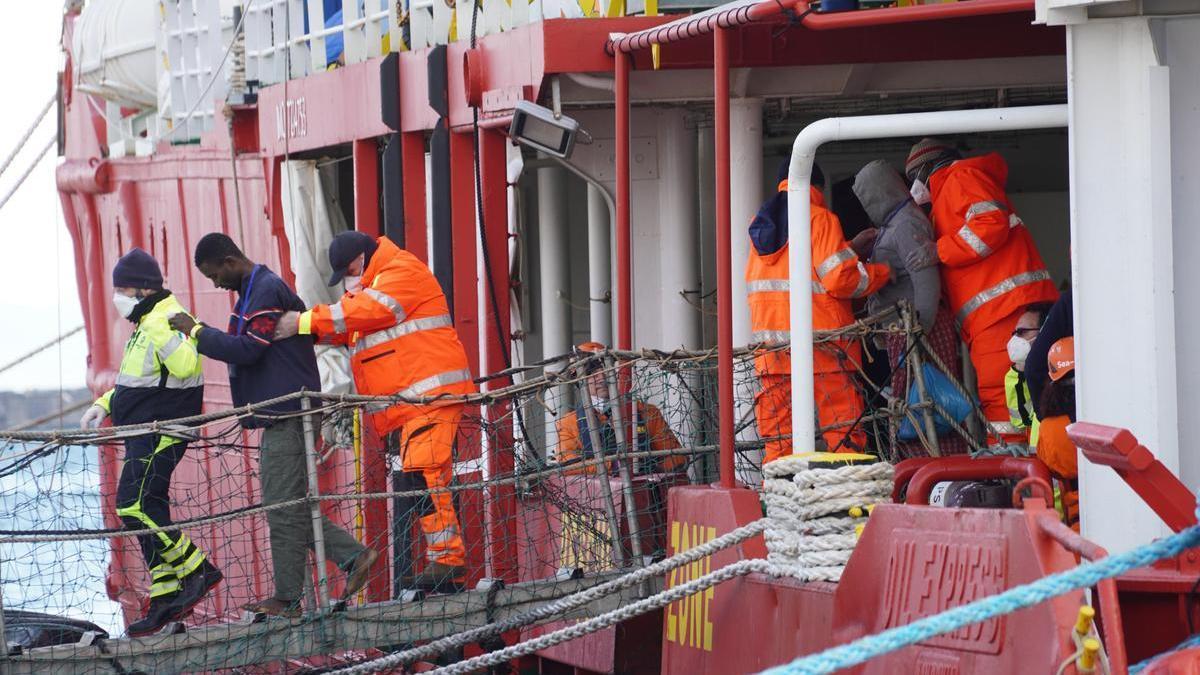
{"points": [[501, 500], [462, 226], [724, 252], [742, 13], [916, 13], [624, 269], [366, 186], [412, 173]]}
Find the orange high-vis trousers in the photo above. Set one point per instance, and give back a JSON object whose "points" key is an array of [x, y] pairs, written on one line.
{"points": [[989, 354], [432, 434], [836, 395]]}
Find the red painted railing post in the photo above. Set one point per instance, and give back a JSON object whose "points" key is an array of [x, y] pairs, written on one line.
{"points": [[724, 264]]}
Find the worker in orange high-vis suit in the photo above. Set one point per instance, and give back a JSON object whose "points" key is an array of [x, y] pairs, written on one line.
{"points": [[395, 320], [991, 270], [838, 277]]}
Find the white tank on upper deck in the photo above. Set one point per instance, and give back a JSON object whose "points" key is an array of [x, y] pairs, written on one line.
{"points": [[116, 48]]}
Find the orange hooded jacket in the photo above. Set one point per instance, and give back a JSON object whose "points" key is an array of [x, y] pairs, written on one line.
{"points": [[838, 277], [990, 265], [400, 334]]}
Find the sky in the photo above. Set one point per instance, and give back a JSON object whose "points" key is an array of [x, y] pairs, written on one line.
{"points": [[39, 300]]}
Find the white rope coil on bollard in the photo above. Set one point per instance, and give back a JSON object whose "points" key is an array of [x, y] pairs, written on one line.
{"points": [[810, 533]]}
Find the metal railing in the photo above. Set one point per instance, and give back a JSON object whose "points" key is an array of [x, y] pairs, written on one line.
{"points": [[279, 46]]}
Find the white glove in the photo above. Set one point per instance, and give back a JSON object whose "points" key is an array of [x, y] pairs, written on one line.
{"points": [[93, 418], [289, 325]]}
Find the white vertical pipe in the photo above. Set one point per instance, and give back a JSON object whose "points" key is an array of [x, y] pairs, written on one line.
{"points": [[804, 152], [679, 266], [746, 176], [746, 179], [555, 287], [553, 256], [599, 265]]}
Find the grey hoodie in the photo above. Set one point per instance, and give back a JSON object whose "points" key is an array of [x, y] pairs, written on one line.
{"points": [[905, 242]]}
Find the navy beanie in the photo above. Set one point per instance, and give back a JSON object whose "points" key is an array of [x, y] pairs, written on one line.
{"points": [[769, 229], [137, 269], [347, 246]]}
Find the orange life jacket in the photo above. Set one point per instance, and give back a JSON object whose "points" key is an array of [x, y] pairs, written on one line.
{"points": [[990, 265], [400, 334], [838, 276]]}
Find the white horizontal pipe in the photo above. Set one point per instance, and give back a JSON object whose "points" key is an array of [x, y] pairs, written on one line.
{"points": [[804, 152]]}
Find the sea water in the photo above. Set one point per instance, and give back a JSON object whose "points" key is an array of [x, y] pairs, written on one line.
{"points": [[57, 491]]}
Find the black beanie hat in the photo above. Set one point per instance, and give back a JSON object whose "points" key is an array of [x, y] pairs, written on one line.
{"points": [[137, 269]]}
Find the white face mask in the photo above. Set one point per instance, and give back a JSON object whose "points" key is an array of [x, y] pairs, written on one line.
{"points": [[920, 193], [352, 284], [125, 304], [1018, 350], [600, 403]]}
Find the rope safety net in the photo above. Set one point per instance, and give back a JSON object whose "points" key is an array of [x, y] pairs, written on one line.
{"points": [[565, 503]]}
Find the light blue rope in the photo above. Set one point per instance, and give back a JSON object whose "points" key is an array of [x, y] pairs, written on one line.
{"points": [[1009, 601], [1193, 641]]}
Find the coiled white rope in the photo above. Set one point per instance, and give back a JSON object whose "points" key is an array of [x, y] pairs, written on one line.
{"points": [[811, 532]]}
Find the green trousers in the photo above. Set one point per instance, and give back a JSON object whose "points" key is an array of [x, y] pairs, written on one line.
{"points": [[283, 474]]}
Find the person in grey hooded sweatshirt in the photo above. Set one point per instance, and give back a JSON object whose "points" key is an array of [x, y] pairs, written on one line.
{"points": [[906, 244]]}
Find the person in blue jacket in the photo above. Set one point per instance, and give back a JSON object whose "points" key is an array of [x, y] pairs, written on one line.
{"points": [[261, 369]]}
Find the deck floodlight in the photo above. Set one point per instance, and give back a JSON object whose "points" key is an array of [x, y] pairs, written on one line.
{"points": [[541, 130]]}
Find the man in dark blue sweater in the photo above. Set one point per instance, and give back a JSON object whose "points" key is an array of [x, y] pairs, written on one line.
{"points": [[261, 370], [1060, 323]]}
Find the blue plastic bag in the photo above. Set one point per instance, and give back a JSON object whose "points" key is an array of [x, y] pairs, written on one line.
{"points": [[940, 389]]}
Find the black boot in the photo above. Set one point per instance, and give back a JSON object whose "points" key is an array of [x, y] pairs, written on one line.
{"points": [[194, 587], [160, 613], [438, 578]]}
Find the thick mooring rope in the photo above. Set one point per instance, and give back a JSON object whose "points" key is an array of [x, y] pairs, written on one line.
{"points": [[813, 513]]}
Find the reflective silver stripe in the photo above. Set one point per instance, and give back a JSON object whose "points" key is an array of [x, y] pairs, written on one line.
{"points": [[833, 261], [424, 386], [171, 347], [980, 208], [1009, 284], [387, 301], [127, 380], [441, 536], [973, 240], [186, 383], [864, 280], [148, 365], [433, 382], [408, 327], [978, 245], [818, 288], [768, 286], [770, 336], [339, 317], [1005, 428]]}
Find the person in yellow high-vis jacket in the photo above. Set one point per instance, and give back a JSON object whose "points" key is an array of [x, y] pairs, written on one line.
{"points": [[1017, 396], [159, 379]]}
